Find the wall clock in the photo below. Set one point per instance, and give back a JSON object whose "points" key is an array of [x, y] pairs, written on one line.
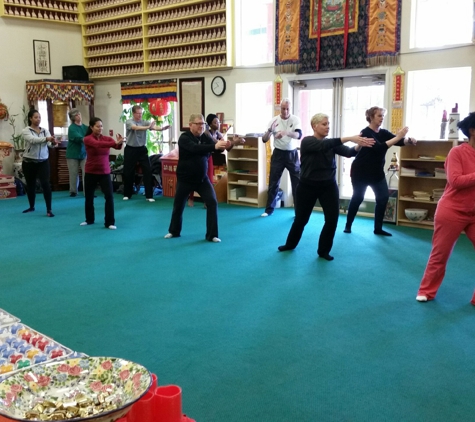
{"points": [[218, 86]]}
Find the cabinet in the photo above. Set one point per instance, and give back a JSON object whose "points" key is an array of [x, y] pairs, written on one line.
{"points": [[418, 172], [134, 37], [247, 174], [64, 11], [59, 174]]}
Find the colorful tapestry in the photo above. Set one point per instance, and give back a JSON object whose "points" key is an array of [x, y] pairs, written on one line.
{"points": [[346, 50], [328, 17], [58, 90], [383, 32], [148, 91], [288, 22]]}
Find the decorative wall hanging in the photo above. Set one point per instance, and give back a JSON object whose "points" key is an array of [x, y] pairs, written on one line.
{"points": [[341, 41], [384, 27], [148, 91], [333, 17], [192, 99], [287, 34], [58, 90], [42, 57], [397, 103]]}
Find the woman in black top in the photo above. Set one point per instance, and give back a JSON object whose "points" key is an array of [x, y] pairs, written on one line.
{"points": [[368, 168], [318, 181]]}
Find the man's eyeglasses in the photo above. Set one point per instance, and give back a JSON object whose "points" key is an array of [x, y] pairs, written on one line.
{"points": [[198, 123]]}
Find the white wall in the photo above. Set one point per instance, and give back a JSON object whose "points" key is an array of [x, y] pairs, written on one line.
{"points": [[65, 44], [17, 65]]}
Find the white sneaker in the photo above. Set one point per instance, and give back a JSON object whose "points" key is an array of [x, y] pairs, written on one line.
{"points": [[168, 236], [264, 214], [216, 239], [125, 198], [150, 200], [421, 298], [83, 224], [112, 227]]}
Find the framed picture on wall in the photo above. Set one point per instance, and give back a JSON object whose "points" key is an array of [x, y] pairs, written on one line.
{"points": [[192, 99], [41, 57]]}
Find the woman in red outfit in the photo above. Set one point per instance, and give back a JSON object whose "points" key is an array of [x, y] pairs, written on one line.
{"points": [[455, 211], [98, 171]]}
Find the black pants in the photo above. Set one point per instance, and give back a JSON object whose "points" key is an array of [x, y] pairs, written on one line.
{"points": [[37, 170], [132, 156], [206, 191], [328, 195], [381, 193], [90, 182], [280, 161]]}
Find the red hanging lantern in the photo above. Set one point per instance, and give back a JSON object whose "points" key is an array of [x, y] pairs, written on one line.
{"points": [[160, 107]]}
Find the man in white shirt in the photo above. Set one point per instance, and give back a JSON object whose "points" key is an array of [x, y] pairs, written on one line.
{"points": [[287, 131]]}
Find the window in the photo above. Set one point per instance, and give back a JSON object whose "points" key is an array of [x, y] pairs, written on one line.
{"points": [[429, 93], [253, 107], [158, 142], [438, 23], [254, 32]]}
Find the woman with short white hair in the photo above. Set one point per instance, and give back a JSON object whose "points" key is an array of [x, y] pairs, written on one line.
{"points": [[318, 182]]}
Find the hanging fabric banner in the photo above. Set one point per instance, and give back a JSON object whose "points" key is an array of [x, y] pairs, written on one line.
{"points": [[58, 90], [287, 35], [398, 100], [148, 91], [384, 26]]}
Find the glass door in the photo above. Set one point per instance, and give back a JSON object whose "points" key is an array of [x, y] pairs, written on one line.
{"points": [[345, 100]]}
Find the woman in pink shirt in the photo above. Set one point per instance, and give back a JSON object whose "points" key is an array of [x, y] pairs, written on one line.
{"points": [[98, 171], [455, 211]]}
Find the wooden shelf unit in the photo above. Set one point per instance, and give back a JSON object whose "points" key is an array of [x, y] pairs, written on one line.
{"points": [[410, 158], [136, 37], [248, 164], [58, 11]]}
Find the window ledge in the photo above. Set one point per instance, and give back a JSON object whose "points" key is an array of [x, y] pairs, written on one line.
{"points": [[442, 47]]}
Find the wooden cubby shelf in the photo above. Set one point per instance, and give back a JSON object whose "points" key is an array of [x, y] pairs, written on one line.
{"points": [[417, 173], [175, 36], [246, 174]]}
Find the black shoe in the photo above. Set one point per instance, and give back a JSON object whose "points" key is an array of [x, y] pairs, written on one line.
{"points": [[381, 232], [73, 194]]}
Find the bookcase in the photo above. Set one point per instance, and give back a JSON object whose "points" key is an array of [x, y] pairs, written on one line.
{"points": [[417, 173], [246, 173]]}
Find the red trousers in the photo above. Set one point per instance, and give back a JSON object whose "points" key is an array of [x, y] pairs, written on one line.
{"points": [[448, 225]]}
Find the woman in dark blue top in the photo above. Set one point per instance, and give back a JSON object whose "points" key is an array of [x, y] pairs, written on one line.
{"points": [[368, 168]]}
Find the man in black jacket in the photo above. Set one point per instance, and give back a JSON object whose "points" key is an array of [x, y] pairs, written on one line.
{"points": [[194, 149]]}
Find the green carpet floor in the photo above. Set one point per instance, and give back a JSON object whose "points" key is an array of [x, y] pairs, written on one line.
{"points": [[249, 333]]}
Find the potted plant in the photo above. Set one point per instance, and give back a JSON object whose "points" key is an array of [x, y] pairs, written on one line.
{"points": [[18, 143], [17, 140]]}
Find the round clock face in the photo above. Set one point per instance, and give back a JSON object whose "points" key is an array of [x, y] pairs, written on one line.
{"points": [[218, 86]]}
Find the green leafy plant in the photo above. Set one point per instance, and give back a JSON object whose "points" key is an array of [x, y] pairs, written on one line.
{"points": [[154, 137], [18, 141]]}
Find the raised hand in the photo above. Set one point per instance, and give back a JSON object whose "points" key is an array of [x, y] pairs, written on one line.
{"points": [[238, 140], [364, 142], [402, 132], [221, 145], [119, 139]]}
